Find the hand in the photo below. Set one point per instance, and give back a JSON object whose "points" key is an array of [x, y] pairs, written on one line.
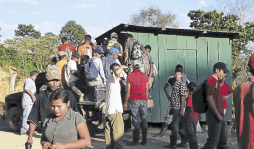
{"points": [[124, 67], [125, 106], [57, 146], [30, 140], [46, 145], [220, 118], [181, 113], [169, 98], [33, 97]]}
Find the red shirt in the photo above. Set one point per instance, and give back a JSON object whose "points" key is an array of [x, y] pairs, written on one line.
{"points": [[225, 90], [244, 114], [213, 88], [63, 47], [193, 115], [138, 81]]}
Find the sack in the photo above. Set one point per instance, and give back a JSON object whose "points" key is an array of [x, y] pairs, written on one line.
{"points": [[199, 101], [155, 71], [68, 52], [118, 46], [91, 71], [136, 52]]}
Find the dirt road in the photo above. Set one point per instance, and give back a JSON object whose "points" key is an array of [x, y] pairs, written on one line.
{"points": [[12, 140]]}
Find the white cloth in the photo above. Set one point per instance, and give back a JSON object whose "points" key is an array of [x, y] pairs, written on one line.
{"points": [[98, 64], [29, 85], [69, 77], [113, 96]]}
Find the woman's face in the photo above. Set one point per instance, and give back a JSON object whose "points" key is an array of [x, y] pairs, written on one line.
{"points": [[59, 108]]}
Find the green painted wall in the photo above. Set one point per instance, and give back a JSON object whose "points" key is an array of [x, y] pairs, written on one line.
{"points": [[197, 55]]}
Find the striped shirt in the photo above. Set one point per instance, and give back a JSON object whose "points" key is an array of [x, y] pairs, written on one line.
{"points": [[138, 81]]}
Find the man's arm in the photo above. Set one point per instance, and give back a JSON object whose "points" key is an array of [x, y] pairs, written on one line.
{"points": [[119, 70], [226, 97], [166, 91], [127, 96], [211, 104], [182, 104], [126, 57], [147, 90], [30, 93], [151, 70]]}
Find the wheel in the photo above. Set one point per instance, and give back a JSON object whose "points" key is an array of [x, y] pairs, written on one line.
{"points": [[13, 119]]}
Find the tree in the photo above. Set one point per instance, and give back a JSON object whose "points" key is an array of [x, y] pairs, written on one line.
{"points": [[28, 31], [152, 16], [30, 53], [49, 34], [242, 8], [215, 21], [75, 33]]}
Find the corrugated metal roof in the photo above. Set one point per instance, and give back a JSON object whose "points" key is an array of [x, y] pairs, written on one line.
{"points": [[156, 31]]}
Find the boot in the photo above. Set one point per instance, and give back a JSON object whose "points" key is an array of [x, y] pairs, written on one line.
{"points": [[183, 143], [144, 136], [193, 145], [164, 129], [135, 137]]}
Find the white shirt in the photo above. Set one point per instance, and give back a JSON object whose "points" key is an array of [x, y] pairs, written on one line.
{"points": [[98, 64], [113, 96], [69, 77], [29, 85]]}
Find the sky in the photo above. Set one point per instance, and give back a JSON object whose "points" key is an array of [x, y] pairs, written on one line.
{"points": [[95, 16]]}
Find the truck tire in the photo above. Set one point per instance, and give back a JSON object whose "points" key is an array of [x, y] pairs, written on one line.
{"points": [[13, 119]]}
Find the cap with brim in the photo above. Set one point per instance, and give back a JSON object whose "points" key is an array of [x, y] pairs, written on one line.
{"points": [[136, 63], [113, 50], [53, 73], [61, 53], [76, 54], [114, 35], [97, 51], [221, 66]]}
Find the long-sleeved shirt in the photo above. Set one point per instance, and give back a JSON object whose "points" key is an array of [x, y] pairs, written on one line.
{"points": [[98, 64], [42, 107], [106, 63]]}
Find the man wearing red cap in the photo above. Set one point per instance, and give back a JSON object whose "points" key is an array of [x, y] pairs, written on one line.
{"points": [[244, 110]]}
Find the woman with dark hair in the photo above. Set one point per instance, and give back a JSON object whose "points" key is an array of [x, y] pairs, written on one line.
{"points": [[64, 128]]}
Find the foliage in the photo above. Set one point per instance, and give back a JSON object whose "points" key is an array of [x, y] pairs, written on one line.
{"points": [[27, 31], [75, 33], [29, 54], [152, 16], [214, 21]]}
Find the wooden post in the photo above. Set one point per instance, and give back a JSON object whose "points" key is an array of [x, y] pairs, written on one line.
{"points": [[12, 82]]}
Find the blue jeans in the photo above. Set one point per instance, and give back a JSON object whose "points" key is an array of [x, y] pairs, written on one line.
{"points": [[26, 111], [217, 134], [139, 111]]}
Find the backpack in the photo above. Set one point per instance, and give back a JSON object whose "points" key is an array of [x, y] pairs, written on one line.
{"points": [[118, 46], [68, 52], [136, 52], [90, 71], [199, 101]]}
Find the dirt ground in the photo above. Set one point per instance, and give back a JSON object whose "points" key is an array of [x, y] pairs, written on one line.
{"points": [[12, 140]]}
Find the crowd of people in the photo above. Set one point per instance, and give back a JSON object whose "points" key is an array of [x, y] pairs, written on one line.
{"points": [[110, 66]]}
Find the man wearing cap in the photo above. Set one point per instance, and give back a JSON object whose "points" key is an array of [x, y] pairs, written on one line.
{"points": [[100, 80], [244, 110], [61, 63], [129, 46], [215, 118], [86, 48], [42, 106], [71, 74], [137, 95], [113, 42], [109, 60]]}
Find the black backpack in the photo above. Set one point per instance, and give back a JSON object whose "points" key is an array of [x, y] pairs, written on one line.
{"points": [[136, 52], [199, 101]]}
